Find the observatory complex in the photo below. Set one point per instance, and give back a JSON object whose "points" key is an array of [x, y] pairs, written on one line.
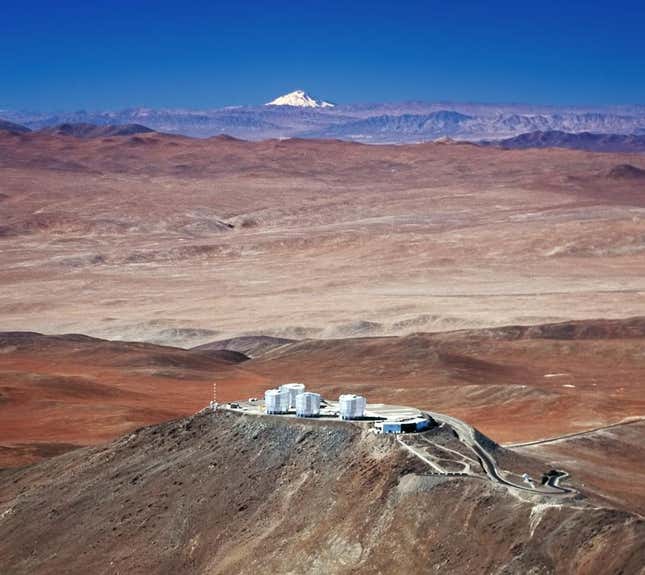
{"points": [[292, 400]]}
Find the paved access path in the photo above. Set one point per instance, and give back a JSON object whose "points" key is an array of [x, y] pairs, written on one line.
{"points": [[468, 437], [576, 434]]}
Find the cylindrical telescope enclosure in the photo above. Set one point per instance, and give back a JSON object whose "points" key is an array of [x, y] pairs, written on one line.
{"points": [[308, 404], [351, 406], [276, 401], [294, 389]]}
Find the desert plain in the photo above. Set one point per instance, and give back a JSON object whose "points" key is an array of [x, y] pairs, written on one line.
{"points": [[144, 275], [182, 241], [343, 250]]}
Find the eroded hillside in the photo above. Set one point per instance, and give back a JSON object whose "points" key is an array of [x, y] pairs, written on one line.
{"points": [[226, 493], [514, 383]]}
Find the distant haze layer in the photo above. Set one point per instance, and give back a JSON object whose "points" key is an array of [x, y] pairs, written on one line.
{"points": [[299, 115]]}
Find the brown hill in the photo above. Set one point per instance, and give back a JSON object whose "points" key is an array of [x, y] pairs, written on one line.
{"points": [[514, 383], [81, 130], [59, 392], [588, 456], [626, 171], [12, 128], [251, 345], [596, 142], [226, 493]]}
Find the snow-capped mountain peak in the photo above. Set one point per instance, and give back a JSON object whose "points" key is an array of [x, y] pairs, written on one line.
{"points": [[301, 99]]}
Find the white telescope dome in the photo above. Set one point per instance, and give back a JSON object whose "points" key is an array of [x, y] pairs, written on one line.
{"points": [[293, 389], [308, 404], [276, 400], [351, 406]]}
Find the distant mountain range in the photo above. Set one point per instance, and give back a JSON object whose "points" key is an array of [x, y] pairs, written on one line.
{"points": [[84, 130], [297, 114], [399, 128], [12, 127], [579, 141]]}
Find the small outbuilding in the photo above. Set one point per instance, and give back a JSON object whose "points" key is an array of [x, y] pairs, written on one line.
{"points": [[413, 425]]}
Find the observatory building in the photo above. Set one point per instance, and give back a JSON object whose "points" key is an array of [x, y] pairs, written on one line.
{"points": [[294, 390], [308, 404], [276, 400], [291, 400], [411, 425], [351, 406]]}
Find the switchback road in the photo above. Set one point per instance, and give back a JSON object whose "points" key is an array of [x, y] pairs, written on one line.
{"points": [[469, 437]]}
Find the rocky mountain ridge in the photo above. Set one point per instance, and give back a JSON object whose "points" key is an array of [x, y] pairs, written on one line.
{"points": [[598, 142], [370, 123], [228, 493]]}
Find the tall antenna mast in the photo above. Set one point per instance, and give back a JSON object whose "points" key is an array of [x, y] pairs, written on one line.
{"points": [[214, 400]]}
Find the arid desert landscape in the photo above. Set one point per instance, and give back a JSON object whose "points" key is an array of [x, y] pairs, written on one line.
{"points": [[322, 288], [502, 287], [181, 241]]}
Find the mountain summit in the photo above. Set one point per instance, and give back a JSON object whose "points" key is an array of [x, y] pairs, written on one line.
{"points": [[301, 99]]}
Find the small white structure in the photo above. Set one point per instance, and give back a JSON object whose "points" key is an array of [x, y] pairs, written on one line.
{"points": [[351, 406], [308, 404], [276, 400], [294, 390], [409, 425]]}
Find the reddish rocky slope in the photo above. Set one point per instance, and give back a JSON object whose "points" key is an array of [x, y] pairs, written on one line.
{"points": [[227, 493]]}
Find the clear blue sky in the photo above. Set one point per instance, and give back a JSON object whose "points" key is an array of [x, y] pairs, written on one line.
{"points": [[111, 54]]}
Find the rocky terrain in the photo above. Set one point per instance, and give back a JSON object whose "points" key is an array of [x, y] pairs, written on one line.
{"points": [[395, 122], [13, 128], [627, 171], [178, 241], [59, 392], [250, 345], [597, 142], [608, 461], [451, 277], [85, 130], [225, 493], [516, 384]]}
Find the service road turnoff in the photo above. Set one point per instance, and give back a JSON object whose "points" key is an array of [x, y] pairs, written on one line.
{"points": [[469, 438]]}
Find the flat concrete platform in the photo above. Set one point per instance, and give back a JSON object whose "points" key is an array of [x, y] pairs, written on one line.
{"points": [[330, 410], [392, 412]]}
